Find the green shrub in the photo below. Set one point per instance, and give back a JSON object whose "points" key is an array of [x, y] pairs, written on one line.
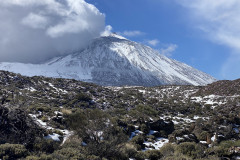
{"points": [[177, 157], [73, 142], [93, 157], [203, 136], [228, 144], [86, 123], [191, 149], [210, 158], [41, 108], [44, 119], [32, 158], [223, 149], [153, 154], [151, 138], [138, 140], [45, 145], [83, 97], [58, 132], [143, 112], [144, 128], [140, 156], [168, 150], [128, 151], [68, 153], [45, 157], [12, 151]]}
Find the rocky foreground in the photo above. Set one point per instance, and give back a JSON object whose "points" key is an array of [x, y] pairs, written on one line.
{"points": [[48, 118]]}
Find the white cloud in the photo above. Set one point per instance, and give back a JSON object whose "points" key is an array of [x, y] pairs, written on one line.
{"points": [[163, 48], [153, 42], [107, 31], [35, 21], [219, 19], [36, 30], [32, 3], [169, 50], [132, 33]]}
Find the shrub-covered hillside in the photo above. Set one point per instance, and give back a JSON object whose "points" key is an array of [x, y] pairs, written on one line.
{"points": [[47, 118]]}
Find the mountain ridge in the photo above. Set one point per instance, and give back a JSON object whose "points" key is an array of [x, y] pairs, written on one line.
{"points": [[115, 61]]}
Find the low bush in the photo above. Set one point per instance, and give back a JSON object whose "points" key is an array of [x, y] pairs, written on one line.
{"points": [[40, 157], [128, 151], [138, 140], [153, 154], [68, 153], [83, 97], [225, 148], [143, 112], [140, 156], [144, 128], [45, 145], [12, 151], [177, 157], [191, 149], [168, 150]]}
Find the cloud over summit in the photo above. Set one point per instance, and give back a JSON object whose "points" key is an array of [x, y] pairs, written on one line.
{"points": [[34, 31]]}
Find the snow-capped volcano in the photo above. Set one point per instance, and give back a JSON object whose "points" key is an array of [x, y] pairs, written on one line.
{"points": [[115, 61]]}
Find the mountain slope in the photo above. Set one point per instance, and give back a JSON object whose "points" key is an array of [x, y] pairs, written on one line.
{"points": [[115, 61]]}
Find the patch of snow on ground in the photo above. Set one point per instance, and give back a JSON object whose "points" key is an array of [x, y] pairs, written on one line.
{"points": [[142, 91], [31, 89], [175, 122], [135, 133], [58, 113], [238, 157], [152, 132], [213, 99], [157, 144], [236, 130], [66, 133], [178, 119], [136, 127], [213, 138], [197, 117], [179, 138], [53, 136], [40, 122], [84, 144], [57, 89], [203, 142]]}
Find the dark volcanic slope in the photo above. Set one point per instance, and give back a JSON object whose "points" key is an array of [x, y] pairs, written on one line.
{"points": [[223, 88]]}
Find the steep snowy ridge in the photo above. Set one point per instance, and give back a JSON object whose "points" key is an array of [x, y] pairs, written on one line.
{"points": [[115, 61]]}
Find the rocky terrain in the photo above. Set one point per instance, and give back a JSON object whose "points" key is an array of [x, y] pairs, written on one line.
{"points": [[53, 118]]}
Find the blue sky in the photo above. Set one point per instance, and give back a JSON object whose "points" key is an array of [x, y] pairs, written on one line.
{"points": [[200, 33]]}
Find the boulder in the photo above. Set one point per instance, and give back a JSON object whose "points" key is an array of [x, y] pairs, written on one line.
{"points": [[161, 125]]}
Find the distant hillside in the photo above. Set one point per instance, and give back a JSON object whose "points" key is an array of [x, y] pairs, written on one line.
{"points": [[223, 88]]}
